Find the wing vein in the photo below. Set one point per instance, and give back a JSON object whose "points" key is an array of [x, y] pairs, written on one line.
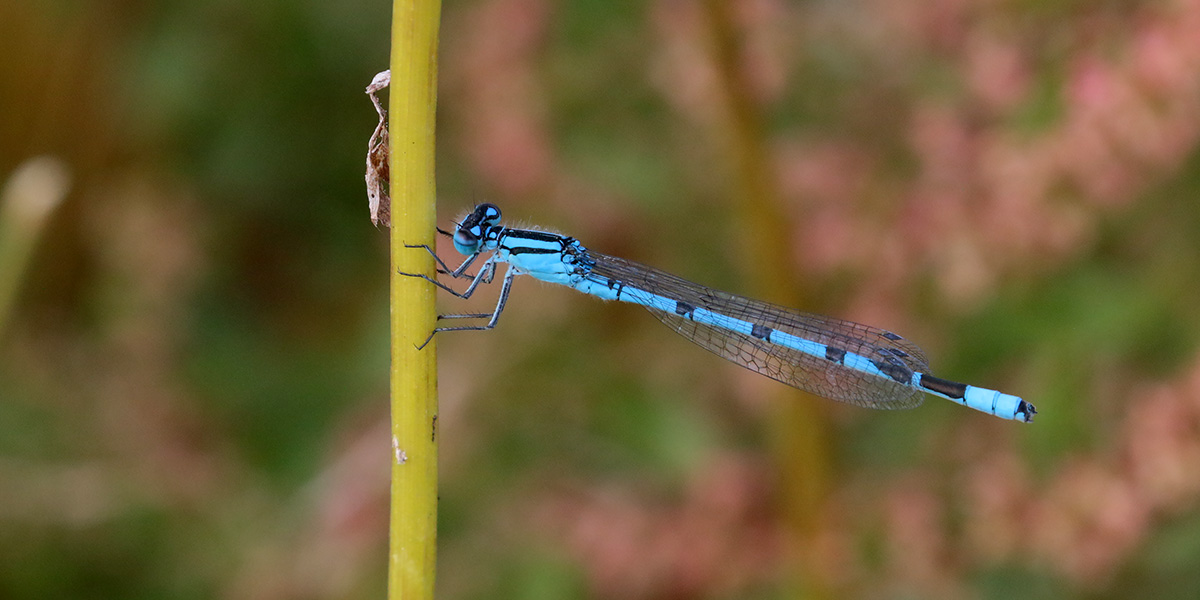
{"points": [[794, 367]]}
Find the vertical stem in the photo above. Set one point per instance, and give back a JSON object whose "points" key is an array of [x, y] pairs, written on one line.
{"points": [[801, 443], [412, 100], [31, 194]]}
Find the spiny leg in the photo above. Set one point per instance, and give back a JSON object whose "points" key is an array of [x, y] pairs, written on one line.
{"points": [[495, 316], [485, 274], [442, 266]]}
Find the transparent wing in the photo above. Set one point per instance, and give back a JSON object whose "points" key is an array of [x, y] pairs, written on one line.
{"points": [[814, 374]]}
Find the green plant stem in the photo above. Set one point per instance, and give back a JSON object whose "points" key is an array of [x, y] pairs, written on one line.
{"points": [[412, 101]]}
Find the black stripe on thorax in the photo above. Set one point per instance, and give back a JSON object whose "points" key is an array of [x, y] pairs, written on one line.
{"points": [[541, 236], [523, 250], [513, 237]]}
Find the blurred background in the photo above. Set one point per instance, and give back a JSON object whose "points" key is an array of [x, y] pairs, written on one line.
{"points": [[193, 301]]}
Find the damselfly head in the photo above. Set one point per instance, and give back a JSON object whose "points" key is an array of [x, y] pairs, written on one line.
{"points": [[485, 214], [478, 227]]}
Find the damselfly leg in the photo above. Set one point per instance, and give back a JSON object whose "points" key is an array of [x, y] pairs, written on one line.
{"points": [[486, 274]]}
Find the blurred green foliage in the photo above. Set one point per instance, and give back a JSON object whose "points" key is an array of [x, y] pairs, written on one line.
{"points": [[193, 380]]}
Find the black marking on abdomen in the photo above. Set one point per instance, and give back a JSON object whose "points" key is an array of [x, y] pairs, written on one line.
{"points": [[833, 354], [900, 373], [761, 332], [613, 284], [891, 336], [684, 309], [950, 389]]}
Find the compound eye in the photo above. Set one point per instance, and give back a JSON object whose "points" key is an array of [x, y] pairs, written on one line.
{"points": [[465, 241]]}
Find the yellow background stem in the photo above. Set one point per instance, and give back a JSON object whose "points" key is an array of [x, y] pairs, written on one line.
{"points": [[801, 423]]}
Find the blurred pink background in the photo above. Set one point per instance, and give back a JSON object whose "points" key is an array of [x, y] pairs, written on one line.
{"points": [[193, 309]]}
